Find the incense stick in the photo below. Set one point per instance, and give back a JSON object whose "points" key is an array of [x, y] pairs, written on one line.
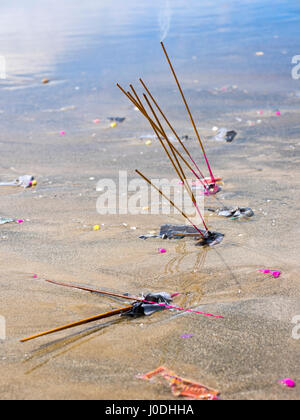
{"points": [[188, 110], [102, 292], [170, 201], [173, 131], [76, 324], [152, 123], [133, 298], [183, 177]]}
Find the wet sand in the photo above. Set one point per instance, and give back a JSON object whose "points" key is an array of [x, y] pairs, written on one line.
{"points": [[243, 355]]}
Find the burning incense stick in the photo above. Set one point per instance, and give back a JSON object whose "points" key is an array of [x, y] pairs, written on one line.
{"points": [[188, 110]]}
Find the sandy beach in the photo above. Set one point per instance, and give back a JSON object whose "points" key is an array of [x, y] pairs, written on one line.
{"points": [[243, 355]]}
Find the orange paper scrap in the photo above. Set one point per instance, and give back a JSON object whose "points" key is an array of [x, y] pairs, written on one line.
{"points": [[183, 387]]}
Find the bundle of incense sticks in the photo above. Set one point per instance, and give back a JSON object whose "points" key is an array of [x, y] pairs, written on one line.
{"points": [[109, 314], [176, 158]]}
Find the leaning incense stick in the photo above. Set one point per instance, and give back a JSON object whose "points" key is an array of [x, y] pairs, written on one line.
{"points": [[102, 292], [188, 110], [76, 324], [173, 131], [152, 123], [178, 168], [182, 176], [170, 201]]}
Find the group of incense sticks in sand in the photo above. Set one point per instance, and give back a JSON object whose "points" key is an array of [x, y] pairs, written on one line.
{"points": [[178, 161], [176, 158]]}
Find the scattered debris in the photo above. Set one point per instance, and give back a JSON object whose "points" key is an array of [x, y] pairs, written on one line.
{"points": [[5, 220], [234, 212], [275, 274], [45, 81], [289, 383], [183, 231], [96, 227], [187, 336], [148, 307], [225, 135], [181, 387], [116, 119], [25, 181]]}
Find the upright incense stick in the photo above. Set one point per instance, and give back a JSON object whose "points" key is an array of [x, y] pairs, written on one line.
{"points": [[189, 112]]}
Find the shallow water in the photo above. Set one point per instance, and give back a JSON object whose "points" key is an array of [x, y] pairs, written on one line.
{"points": [[84, 49]]}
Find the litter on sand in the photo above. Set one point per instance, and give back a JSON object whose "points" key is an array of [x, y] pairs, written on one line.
{"points": [[234, 212], [184, 231], [147, 309], [116, 119], [187, 335], [275, 274], [25, 181], [289, 383], [5, 220], [181, 387], [225, 135]]}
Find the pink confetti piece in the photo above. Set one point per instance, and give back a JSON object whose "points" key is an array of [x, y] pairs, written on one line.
{"points": [[187, 336], [62, 133], [162, 251], [278, 113], [276, 274], [35, 276], [96, 121], [20, 221], [288, 382]]}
